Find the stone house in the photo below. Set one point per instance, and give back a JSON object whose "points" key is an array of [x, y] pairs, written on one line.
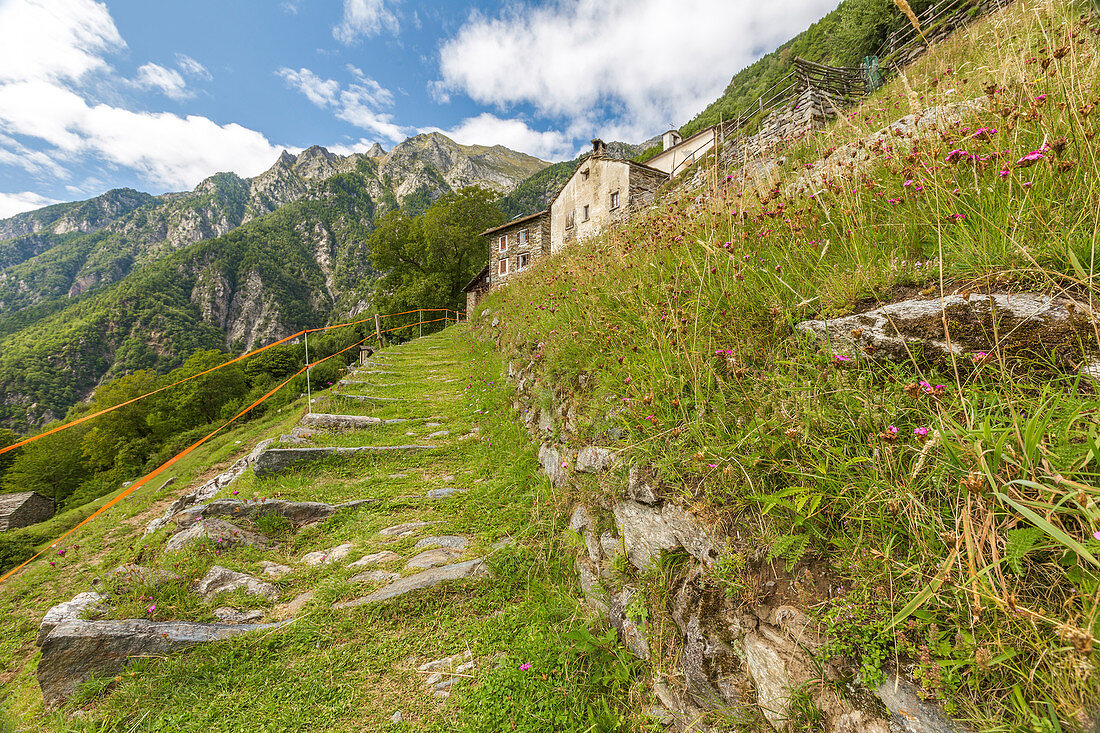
{"points": [[601, 190], [24, 509], [476, 289]]}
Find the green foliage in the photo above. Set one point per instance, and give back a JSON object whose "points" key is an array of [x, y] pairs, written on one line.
{"points": [[427, 260]]}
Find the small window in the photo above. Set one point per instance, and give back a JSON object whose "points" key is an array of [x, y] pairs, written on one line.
{"points": [[615, 200], [584, 175], [522, 260], [502, 244], [570, 218], [585, 213], [523, 236], [502, 268]]}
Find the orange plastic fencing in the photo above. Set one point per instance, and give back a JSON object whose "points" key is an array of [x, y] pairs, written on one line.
{"points": [[104, 411], [156, 472]]}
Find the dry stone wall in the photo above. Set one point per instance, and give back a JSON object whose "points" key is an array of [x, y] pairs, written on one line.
{"points": [[753, 655]]}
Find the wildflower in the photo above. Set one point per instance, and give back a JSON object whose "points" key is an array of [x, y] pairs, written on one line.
{"points": [[61, 553], [958, 217], [893, 201], [525, 666], [841, 359], [151, 608], [920, 432], [980, 357], [1096, 535], [954, 155], [1004, 173], [1030, 159], [563, 464]]}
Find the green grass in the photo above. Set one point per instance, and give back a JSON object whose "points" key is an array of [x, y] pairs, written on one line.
{"points": [[350, 670], [972, 560]]}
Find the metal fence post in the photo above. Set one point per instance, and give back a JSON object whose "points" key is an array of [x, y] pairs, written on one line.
{"points": [[309, 393]]}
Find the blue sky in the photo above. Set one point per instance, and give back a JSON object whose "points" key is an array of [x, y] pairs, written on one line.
{"points": [[158, 95]]}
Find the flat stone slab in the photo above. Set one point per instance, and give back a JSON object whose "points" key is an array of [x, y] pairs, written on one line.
{"points": [[469, 569], [445, 492], [274, 569], [73, 610], [592, 459], [407, 529], [76, 650], [374, 576], [140, 575], [440, 434], [376, 558], [453, 541], [218, 530], [367, 398], [233, 616], [275, 460], [433, 558], [223, 580], [295, 607], [324, 557], [298, 512], [339, 422]]}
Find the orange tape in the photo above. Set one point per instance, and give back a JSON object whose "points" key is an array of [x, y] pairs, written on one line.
{"points": [[156, 472], [79, 420]]}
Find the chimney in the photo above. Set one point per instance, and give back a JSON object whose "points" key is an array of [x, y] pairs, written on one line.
{"points": [[599, 148], [671, 139]]}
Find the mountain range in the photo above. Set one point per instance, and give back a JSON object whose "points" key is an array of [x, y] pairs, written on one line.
{"points": [[94, 289]]}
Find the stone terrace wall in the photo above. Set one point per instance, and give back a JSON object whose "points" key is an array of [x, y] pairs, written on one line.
{"points": [[728, 656]]}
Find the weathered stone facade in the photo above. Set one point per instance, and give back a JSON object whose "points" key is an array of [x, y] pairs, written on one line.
{"points": [[601, 190], [515, 246], [476, 289], [24, 509]]}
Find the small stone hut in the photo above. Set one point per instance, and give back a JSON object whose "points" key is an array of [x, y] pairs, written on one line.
{"points": [[476, 289], [515, 246], [24, 509]]}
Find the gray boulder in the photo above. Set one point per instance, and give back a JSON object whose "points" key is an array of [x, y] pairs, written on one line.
{"points": [[298, 512], [75, 650], [276, 460], [591, 459], [222, 580], [81, 605], [218, 530], [469, 569], [647, 530]]}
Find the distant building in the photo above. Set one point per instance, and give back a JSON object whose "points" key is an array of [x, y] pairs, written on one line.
{"points": [[600, 191], [24, 509]]}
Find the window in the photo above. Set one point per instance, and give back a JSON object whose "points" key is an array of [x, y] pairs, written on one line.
{"points": [[615, 200], [502, 244], [522, 260], [523, 236], [502, 268], [585, 213], [569, 219], [584, 175]]}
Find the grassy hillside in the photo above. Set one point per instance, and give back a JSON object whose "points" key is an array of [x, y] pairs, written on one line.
{"points": [[965, 512]]}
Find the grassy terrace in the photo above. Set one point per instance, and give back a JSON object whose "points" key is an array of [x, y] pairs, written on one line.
{"points": [[351, 670], [962, 527]]}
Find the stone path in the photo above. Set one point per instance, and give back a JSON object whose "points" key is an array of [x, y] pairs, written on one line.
{"points": [[75, 648]]}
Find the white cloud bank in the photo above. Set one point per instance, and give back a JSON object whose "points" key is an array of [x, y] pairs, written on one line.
{"points": [[16, 203], [361, 102], [637, 65], [488, 129], [48, 51], [365, 18]]}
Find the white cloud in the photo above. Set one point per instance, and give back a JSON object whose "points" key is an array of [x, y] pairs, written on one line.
{"points": [[639, 63], [488, 129], [16, 203], [191, 67], [361, 102], [165, 148], [365, 18], [50, 52], [168, 82], [54, 39]]}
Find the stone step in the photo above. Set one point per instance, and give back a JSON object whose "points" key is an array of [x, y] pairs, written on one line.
{"points": [[275, 460], [429, 578], [366, 398], [356, 422]]}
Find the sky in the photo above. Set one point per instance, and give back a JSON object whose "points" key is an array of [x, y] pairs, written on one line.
{"points": [[158, 95]]}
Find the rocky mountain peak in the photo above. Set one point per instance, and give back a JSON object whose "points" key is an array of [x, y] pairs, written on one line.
{"points": [[376, 151]]}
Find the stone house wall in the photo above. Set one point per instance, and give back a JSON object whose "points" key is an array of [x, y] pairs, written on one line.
{"points": [[24, 509], [524, 243], [609, 188]]}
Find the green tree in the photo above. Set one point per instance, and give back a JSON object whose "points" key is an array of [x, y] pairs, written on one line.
{"points": [[123, 438], [52, 466], [428, 260]]}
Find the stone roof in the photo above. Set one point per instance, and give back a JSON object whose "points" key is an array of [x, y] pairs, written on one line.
{"points": [[478, 281], [514, 222], [10, 502]]}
